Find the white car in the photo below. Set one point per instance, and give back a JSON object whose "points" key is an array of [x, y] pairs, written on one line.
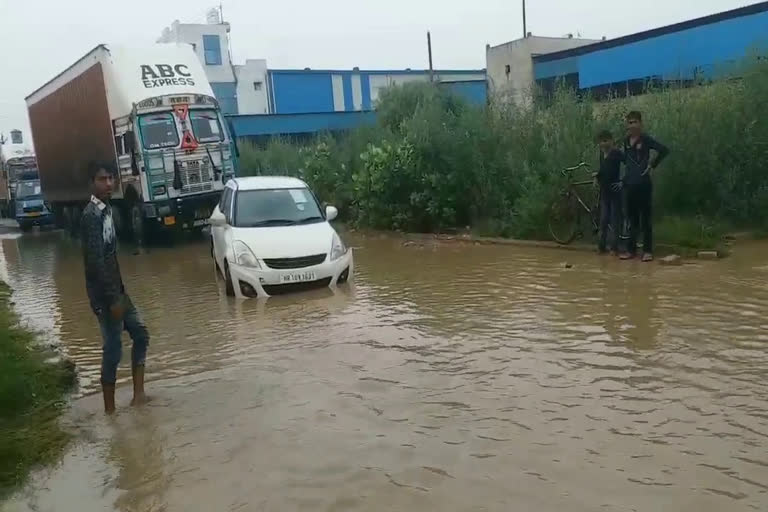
{"points": [[269, 236]]}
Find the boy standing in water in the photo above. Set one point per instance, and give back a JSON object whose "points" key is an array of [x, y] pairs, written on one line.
{"points": [[609, 180], [637, 180], [106, 292]]}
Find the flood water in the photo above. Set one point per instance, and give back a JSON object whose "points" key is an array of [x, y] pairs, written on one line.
{"points": [[450, 377]]}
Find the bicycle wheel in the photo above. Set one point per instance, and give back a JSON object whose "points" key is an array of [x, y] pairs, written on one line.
{"points": [[564, 219]]}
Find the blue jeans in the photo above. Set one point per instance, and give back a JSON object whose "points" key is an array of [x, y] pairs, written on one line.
{"points": [[111, 333]]}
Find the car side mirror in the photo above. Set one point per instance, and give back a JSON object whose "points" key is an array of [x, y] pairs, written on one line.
{"points": [[331, 213], [217, 218]]}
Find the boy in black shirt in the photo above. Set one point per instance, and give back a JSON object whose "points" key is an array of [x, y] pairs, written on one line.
{"points": [[637, 181], [609, 180]]}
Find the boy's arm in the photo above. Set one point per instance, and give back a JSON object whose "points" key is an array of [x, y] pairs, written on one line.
{"points": [[662, 152]]}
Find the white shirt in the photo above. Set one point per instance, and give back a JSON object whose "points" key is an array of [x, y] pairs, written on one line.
{"points": [[108, 225]]}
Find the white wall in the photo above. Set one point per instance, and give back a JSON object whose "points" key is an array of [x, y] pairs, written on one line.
{"points": [[250, 100], [192, 33], [518, 55]]}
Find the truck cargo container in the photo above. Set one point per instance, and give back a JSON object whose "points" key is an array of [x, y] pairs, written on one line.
{"points": [[149, 113]]}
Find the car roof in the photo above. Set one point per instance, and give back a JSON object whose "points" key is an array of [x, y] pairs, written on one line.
{"points": [[267, 182]]}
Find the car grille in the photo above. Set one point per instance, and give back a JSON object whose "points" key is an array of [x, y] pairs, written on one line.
{"points": [[289, 263], [282, 289]]}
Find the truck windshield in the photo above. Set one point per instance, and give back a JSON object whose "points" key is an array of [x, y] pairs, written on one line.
{"points": [[22, 172], [28, 189], [158, 131], [280, 207], [206, 126]]}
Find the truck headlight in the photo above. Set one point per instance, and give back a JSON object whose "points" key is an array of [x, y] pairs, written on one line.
{"points": [[244, 256], [338, 249]]}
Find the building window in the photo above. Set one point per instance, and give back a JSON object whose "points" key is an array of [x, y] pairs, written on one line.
{"points": [[257, 86], [212, 48]]}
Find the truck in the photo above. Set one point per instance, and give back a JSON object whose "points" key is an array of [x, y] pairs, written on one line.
{"points": [[148, 113], [17, 164]]}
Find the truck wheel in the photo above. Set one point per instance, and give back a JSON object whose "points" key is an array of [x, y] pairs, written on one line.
{"points": [[228, 285], [137, 224], [74, 220]]}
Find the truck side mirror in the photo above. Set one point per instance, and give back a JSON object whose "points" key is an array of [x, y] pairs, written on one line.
{"points": [[130, 146], [129, 141]]}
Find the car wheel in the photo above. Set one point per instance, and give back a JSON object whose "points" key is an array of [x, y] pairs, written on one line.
{"points": [[228, 285]]}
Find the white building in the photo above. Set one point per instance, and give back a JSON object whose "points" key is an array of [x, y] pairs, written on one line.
{"points": [[251, 88], [509, 66], [240, 89]]}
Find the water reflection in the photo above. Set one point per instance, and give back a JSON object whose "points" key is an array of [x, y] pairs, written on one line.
{"points": [[452, 377]]}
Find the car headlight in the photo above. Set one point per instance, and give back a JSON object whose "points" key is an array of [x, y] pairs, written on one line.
{"points": [[338, 249], [244, 256]]}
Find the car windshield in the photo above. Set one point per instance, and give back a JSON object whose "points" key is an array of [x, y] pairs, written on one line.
{"points": [[206, 126], [158, 131], [28, 189], [276, 207]]}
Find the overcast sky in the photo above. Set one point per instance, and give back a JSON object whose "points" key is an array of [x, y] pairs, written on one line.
{"points": [[39, 38]]}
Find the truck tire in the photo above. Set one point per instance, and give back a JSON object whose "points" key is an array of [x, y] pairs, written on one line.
{"points": [[137, 224], [74, 220]]}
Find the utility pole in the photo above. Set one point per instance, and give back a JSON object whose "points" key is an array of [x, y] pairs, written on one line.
{"points": [[525, 23], [429, 50]]}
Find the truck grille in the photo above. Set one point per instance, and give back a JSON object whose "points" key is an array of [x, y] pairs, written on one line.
{"points": [[288, 263], [195, 177]]}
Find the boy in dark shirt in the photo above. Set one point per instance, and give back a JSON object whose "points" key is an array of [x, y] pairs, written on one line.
{"points": [[609, 180], [637, 181], [106, 292]]}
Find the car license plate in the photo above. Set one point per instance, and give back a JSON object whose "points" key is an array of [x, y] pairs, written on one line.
{"points": [[200, 222], [298, 277], [34, 214]]}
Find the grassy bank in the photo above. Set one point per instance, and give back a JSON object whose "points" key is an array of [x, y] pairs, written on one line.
{"points": [[32, 394], [433, 163]]}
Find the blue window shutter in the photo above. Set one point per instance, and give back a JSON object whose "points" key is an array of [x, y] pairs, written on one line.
{"points": [[212, 50]]}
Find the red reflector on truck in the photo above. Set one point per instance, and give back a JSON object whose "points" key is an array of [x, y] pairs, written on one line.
{"points": [[188, 141]]}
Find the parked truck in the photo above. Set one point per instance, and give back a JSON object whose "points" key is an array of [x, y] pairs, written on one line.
{"points": [[151, 114], [17, 165]]}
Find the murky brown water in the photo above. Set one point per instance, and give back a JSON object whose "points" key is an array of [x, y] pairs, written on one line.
{"points": [[450, 378]]}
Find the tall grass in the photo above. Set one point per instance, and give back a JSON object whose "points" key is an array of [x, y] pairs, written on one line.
{"points": [[434, 162], [31, 395]]}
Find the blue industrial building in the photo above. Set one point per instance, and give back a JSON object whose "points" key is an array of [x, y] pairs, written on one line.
{"points": [[304, 102], [294, 91], [687, 52]]}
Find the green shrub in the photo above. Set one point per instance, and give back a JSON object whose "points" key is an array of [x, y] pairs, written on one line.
{"points": [[434, 162]]}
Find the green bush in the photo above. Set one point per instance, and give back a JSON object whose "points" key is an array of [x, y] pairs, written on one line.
{"points": [[433, 162]]}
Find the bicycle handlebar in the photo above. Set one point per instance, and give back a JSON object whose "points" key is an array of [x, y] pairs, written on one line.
{"points": [[575, 167]]}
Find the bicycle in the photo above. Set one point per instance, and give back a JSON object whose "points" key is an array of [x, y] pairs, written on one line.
{"points": [[565, 222]]}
